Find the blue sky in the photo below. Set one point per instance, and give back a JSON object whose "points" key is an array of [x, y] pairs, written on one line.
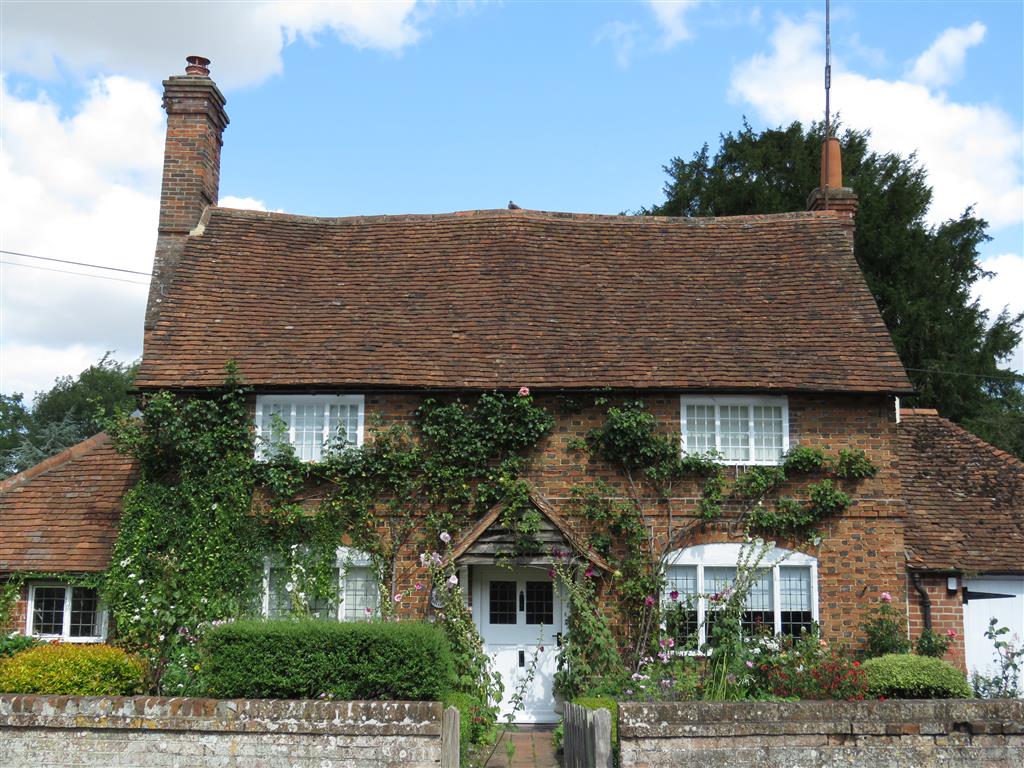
{"points": [[342, 108]]}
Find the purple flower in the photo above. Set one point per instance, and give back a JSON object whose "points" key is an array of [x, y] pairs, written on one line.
{"points": [[885, 597], [674, 594], [551, 573], [649, 600], [589, 573], [419, 585]]}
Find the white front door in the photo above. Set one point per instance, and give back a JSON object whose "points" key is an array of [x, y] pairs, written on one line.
{"points": [[520, 616], [988, 597]]}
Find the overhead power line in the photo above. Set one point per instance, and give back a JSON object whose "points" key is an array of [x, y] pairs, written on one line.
{"points": [[69, 272], [1012, 377], [74, 263]]}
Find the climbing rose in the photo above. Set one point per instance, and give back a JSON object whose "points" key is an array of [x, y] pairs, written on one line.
{"points": [[951, 633], [453, 580], [674, 594], [649, 600], [445, 536], [886, 597], [589, 573], [419, 585], [524, 391], [398, 597]]}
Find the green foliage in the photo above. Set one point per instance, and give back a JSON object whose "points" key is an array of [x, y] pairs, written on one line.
{"points": [[885, 629], [906, 676], [308, 659], [1005, 681], [920, 275], [758, 482], [629, 438], [476, 720], [68, 669], [853, 463], [72, 410], [808, 668], [804, 459], [933, 644], [589, 652], [13, 643]]}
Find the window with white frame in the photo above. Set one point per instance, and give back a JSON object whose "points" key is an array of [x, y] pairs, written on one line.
{"points": [[736, 429], [309, 423], [782, 600], [356, 595], [65, 612]]}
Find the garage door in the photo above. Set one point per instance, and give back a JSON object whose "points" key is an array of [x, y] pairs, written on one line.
{"points": [[988, 597]]}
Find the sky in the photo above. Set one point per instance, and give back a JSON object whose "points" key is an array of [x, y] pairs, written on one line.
{"points": [[347, 108]]}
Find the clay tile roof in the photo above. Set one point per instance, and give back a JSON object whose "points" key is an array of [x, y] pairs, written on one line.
{"points": [[504, 298], [62, 514], [965, 498]]}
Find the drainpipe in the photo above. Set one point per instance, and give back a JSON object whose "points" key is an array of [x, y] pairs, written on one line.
{"points": [[926, 602]]}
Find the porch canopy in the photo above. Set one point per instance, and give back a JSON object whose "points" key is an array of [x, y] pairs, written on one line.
{"points": [[489, 541]]}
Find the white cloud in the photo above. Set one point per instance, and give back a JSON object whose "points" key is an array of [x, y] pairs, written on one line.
{"points": [[622, 37], [151, 39], [1003, 289], [81, 187], [972, 151], [943, 62], [245, 203], [671, 17]]}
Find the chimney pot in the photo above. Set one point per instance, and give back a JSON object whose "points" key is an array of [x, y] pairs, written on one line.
{"points": [[831, 164], [198, 66]]}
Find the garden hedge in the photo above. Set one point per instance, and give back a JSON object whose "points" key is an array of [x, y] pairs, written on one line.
{"points": [[310, 659], [66, 669], [906, 676]]}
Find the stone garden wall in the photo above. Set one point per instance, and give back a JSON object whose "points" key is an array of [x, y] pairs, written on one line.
{"points": [[151, 732], [812, 734]]}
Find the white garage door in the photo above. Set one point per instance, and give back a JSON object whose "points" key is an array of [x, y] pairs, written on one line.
{"points": [[988, 597]]}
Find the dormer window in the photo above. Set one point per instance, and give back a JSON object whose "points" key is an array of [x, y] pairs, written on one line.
{"points": [[736, 429], [309, 423]]}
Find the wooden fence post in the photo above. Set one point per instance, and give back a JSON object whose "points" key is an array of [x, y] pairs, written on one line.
{"points": [[586, 737], [450, 738]]}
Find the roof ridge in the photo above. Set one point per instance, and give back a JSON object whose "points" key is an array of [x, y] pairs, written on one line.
{"points": [[530, 214], [72, 453], [999, 453]]}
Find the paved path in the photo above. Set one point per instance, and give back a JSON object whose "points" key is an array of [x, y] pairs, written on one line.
{"points": [[534, 749]]}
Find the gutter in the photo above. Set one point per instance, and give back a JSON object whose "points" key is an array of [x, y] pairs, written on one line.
{"points": [[926, 601]]}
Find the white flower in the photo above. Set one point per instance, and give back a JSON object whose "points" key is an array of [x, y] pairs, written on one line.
{"points": [[289, 587], [453, 580], [140, 581], [125, 561], [445, 536]]}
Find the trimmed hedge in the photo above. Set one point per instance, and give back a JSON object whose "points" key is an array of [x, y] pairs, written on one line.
{"points": [[906, 676], [66, 669], [309, 659]]}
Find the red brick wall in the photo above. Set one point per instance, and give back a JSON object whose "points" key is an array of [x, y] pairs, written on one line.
{"points": [[947, 614], [20, 614], [860, 555]]}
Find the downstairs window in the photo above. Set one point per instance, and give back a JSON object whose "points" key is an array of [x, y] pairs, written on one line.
{"points": [[65, 612]]}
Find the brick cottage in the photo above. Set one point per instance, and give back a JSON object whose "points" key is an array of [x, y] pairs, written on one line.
{"points": [[747, 336]]}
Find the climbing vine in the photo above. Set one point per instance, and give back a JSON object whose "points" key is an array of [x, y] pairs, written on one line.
{"points": [[211, 503]]}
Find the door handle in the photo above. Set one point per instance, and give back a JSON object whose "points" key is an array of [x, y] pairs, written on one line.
{"points": [[522, 658]]}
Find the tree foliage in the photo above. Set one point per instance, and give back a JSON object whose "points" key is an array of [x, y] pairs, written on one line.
{"points": [[72, 410], [920, 274]]}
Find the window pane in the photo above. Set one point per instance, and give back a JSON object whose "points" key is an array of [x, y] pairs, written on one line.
{"points": [[795, 596], [327, 607], [344, 424], [767, 433], [681, 613], [734, 426], [84, 612], [48, 610], [309, 431], [362, 594], [275, 425], [502, 602], [279, 604], [716, 581], [759, 613], [540, 603], [700, 428]]}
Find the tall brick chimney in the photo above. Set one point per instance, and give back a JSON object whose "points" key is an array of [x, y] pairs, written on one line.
{"points": [[191, 175], [831, 194]]}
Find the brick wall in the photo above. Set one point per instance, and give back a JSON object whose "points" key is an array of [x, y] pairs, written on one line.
{"points": [[823, 734], [38, 731], [19, 614], [947, 614], [861, 552]]}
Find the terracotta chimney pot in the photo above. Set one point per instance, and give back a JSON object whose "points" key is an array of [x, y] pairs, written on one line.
{"points": [[831, 164], [198, 66]]}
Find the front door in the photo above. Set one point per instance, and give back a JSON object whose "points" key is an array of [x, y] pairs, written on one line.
{"points": [[519, 613], [990, 597]]}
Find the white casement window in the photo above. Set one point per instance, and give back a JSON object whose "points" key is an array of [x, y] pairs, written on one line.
{"points": [[783, 600], [356, 598], [65, 612], [309, 422], [736, 429]]}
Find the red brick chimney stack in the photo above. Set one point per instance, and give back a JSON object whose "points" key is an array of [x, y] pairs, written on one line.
{"points": [[831, 194], [191, 175]]}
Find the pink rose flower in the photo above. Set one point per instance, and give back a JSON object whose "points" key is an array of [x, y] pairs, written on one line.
{"points": [[885, 597], [398, 597], [649, 600], [951, 633], [589, 573], [419, 585], [524, 391]]}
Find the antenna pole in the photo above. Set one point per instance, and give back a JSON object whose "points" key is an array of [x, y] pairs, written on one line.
{"points": [[828, 85]]}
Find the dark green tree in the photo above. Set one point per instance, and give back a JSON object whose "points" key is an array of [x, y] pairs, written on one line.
{"points": [[73, 409], [920, 274]]}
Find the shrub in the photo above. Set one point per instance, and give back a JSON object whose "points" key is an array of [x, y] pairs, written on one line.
{"points": [[885, 630], [808, 668], [313, 659], [905, 676], [933, 644], [475, 719], [604, 702], [72, 670], [11, 644]]}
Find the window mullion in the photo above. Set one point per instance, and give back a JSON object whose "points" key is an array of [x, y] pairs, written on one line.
{"points": [[66, 625], [701, 608], [291, 423], [718, 430], [777, 599], [750, 434]]}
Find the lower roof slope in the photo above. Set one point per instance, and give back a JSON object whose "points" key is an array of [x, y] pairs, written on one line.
{"points": [[62, 514], [965, 498], [504, 298]]}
